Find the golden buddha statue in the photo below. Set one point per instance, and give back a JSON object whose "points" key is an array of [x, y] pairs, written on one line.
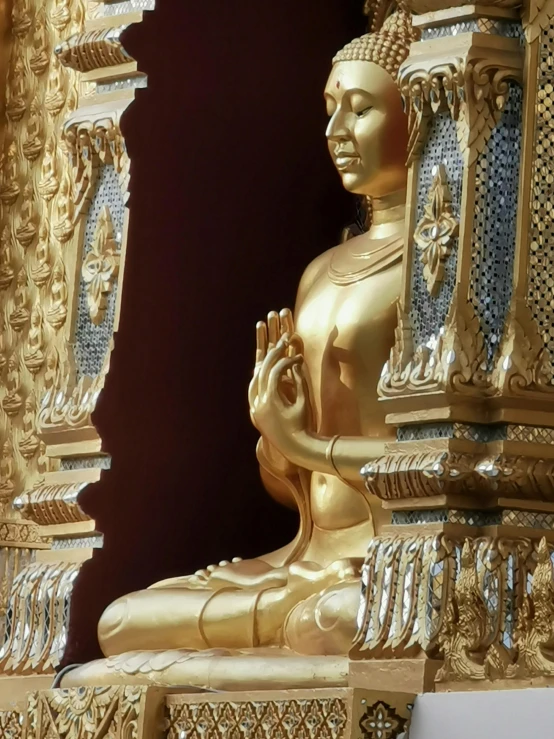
{"points": [[7, 475], [28, 220], [57, 312], [313, 399], [16, 104], [54, 99], [33, 352], [41, 268], [34, 138], [13, 400], [29, 442], [49, 182], [64, 226], [10, 189], [40, 57], [6, 268], [20, 313]]}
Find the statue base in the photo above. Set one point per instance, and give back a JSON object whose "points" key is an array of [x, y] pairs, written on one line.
{"points": [[130, 712]]}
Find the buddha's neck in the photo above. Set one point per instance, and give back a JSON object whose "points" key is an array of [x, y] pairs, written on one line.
{"points": [[388, 213]]}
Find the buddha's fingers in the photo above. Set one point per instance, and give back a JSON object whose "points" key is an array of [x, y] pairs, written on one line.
{"points": [[279, 371], [273, 356], [287, 321], [273, 328], [261, 342], [296, 345]]}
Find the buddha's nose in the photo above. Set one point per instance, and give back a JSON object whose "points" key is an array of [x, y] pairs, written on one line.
{"points": [[111, 623]]}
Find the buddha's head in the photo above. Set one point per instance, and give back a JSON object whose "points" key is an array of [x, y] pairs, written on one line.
{"points": [[368, 129]]}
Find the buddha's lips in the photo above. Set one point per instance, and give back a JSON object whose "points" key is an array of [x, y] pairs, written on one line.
{"points": [[344, 161]]}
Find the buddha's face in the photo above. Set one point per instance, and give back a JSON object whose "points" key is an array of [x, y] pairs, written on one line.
{"points": [[368, 129]]}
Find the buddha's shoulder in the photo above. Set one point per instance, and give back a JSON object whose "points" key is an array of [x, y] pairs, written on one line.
{"points": [[312, 273], [320, 265]]}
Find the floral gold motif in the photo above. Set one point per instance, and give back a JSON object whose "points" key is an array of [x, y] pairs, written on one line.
{"points": [[381, 721], [436, 230], [100, 267]]}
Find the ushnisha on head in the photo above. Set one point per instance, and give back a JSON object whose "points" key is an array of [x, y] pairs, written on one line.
{"points": [[368, 129]]}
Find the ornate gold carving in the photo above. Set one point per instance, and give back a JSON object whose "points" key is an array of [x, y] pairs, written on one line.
{"points": [[49, 183], [6, 268], [91, 141], [60, 14], [28, 220], [7, 475], [13, 400], [535, 632], [57, 310], [20, 533], [473, 90], [34, 138], [34, 644], [397, 370], [64, 225], [55, 97], [381, 721], [93, 50], [312, 718], [16, 90], [100, 266], [524, 361], [9, 188], [29, 442], [41, 269], [465, 624], [436, 230], [16, 103], [87, 713], [454, 361], [65, 409], [21, 18], [480, 615], [20, 313], [33, 353], [40, 58], [53, 503], [11, 724], [537, 18]]}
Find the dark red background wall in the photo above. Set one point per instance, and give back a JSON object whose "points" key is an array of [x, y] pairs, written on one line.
{"points": [[232, 194]]}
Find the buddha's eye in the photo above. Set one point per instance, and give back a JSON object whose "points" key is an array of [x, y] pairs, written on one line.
{"points": [[365, 111]]}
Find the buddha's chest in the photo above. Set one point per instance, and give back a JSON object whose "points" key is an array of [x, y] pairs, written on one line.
{"points": [[352, 324]]}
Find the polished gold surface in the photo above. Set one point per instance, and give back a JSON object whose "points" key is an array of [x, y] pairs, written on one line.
{"points": [[313, 399]]}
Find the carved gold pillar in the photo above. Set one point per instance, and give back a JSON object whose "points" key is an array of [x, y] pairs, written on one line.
{"points": [[63, 192], [459, 585]]}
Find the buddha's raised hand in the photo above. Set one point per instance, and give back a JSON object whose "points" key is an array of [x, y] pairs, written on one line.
{"points": [[279, 394]]}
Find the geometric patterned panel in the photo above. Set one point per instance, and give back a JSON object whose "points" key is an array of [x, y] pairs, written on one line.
{"points": [[317, 718], [494, 222], [496, 27], [541, 248]]}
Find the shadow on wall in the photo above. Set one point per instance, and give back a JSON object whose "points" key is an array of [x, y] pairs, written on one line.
{"points": [[232, 194]]}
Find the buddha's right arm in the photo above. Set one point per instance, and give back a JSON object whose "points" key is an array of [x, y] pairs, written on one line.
{"points": [[342, 456]]}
